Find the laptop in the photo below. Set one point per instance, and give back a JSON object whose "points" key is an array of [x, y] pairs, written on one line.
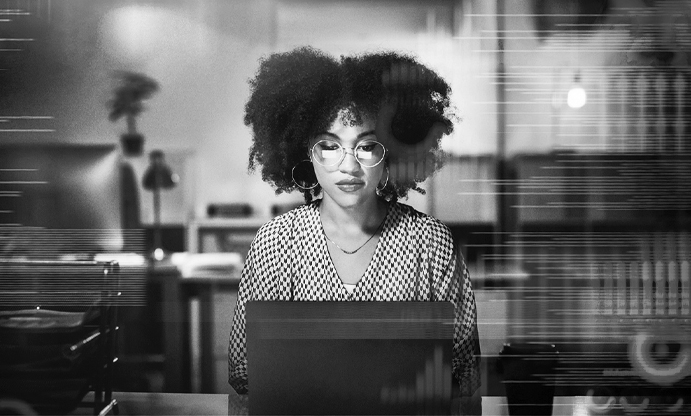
{"points": [[349, 357]]}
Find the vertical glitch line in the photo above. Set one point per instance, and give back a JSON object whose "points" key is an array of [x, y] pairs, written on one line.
{"points": [[660, 272], [647, 280], [608, 292], [540, 291], [598, 287], [679, 122], [595, 307], [685, 272], [648, 135], [446, 381], [673, 292], [660, 287], [671, 109], [634, 288], [429, 380], [420, 393], [686, 110], [642, 120], [672, 269], [603, 85], [622, 96], [620, 274], [660, 112], [615, 123], [438, 377], [611, 91], [569, 271]]}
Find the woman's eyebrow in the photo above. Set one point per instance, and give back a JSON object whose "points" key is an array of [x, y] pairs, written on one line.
{"points": [[326, 133], [335, 136]]}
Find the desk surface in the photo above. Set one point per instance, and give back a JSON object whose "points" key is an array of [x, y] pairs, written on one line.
{"points": [[130, 403]]}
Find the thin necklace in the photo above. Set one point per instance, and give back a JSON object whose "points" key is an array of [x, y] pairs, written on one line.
{"points": [[363, 244]]}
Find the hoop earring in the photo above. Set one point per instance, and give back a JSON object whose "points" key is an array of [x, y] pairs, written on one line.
{"points": [[298, 183], [379, 190]]}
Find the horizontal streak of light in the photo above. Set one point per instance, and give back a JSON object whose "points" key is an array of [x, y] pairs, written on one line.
{"points": [[543, 15], [27, 117], [507, 102], [23, 182], [570, 51], [547, 31], [596, 70], [620, 37], [629, 68], [661, 208], [18, 170], [27, 130]]}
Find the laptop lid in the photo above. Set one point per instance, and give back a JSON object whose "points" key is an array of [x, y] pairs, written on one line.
{"points": [[349, 357]]}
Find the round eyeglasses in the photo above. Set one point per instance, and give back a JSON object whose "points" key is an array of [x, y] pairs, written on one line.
{"points": [[369, 153]]}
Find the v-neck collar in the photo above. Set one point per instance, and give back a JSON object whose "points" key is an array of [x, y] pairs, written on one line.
{"points": [[333, 273]]}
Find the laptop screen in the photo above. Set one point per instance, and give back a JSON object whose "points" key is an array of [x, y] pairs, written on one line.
{"points": [[349, 357]]}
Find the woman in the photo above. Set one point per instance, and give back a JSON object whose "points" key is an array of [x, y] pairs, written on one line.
{"points": [[353, 135]]}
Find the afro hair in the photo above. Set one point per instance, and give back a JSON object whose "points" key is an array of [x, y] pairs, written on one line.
{"points": [[296, 94]]}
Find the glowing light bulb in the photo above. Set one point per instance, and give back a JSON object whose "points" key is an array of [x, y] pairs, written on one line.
{"points": [[576, 97]]}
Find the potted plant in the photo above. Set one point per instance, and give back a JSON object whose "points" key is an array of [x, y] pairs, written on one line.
{"points": [[132, 89]]}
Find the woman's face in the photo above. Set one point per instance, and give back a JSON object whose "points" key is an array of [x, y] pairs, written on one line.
{"points": [[348, 183]]}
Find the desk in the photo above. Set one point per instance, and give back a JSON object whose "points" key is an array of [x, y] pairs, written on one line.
{"points": [[175, 310], [130, 403], [189, 404]]}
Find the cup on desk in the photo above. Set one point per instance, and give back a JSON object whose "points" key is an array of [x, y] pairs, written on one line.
{"points": [[528, 372]]}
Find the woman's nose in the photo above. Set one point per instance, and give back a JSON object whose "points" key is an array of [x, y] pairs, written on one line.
{"points": [[349, 162]]}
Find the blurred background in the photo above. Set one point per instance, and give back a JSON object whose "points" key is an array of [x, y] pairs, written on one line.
{"points": [[566, 184]]}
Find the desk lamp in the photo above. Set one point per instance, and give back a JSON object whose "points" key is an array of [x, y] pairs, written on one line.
{"points": [[158, 176]]}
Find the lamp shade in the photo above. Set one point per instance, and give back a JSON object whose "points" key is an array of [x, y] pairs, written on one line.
{"points": [[158, 175]]}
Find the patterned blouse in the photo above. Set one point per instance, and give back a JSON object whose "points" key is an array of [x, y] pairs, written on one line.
{"points": [[414, 260]]}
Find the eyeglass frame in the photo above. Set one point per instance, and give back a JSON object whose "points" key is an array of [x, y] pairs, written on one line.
{"points": [[345, 152]]}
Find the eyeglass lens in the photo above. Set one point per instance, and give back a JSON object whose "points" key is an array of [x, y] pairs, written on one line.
{"points": [[330, 153]]}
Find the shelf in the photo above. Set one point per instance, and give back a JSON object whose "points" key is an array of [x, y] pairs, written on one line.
{"points": [[223, 234]]}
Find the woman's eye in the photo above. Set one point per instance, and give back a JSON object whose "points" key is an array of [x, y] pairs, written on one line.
{"points": [[366, 147], [327, 145]]}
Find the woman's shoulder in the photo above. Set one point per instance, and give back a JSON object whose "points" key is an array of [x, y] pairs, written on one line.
{"points": [[411, 217], [429, 230], [285, 224]]}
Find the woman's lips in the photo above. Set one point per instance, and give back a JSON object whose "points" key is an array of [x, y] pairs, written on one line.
{"points": [[350, 186]]}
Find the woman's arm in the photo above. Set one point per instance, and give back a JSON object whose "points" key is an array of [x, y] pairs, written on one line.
{"points": [[451, 282], [466, 338], [237, 350], [265, 276]]}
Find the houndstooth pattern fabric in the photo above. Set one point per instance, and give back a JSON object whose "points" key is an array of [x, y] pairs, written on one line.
{"points": [[414, 260]]}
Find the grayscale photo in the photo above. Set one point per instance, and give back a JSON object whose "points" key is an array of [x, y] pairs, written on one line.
{"points": [[345, 207]]}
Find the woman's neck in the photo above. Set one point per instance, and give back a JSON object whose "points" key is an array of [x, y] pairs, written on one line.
{"points": [[362, 217]]}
